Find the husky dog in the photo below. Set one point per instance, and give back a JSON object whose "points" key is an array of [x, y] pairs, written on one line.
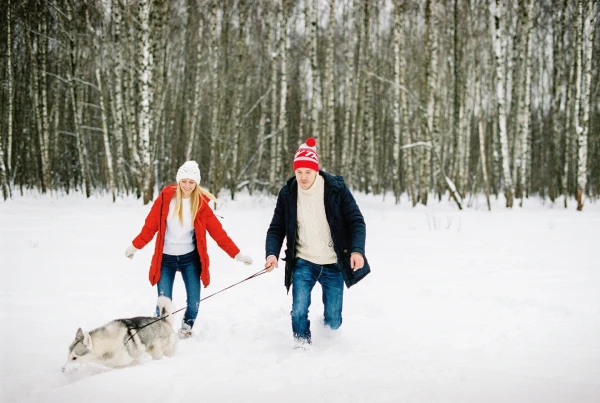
{"points": [[122, 341]]}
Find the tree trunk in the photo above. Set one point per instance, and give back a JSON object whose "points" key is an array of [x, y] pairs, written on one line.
{"points": [[132, 134], [478, 108], [586, 47], [569, 140], [368, 139], [526, 97], [4, 175], [356, 119], [457, 117], [329, 133], [433, 104], [399, 8], [499, 49], [215, 144], [8, 168], [71, 75], [282, 131], [238, 95], [118, 92], [429, 100], [197, 102], [44, 102], [350, 44], [146, 99], [273, 27], [316, 87], [97, 38]]}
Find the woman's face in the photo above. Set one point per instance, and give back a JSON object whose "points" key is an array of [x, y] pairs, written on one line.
{"points": [[187, 186]]}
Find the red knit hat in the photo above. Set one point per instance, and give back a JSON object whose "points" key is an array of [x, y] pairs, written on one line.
{"points": [[306, 156]]}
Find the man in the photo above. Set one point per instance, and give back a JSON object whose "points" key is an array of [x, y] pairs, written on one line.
{"points": [[325, 233]]}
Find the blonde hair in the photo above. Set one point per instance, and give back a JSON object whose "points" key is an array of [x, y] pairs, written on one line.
{"points": [[197, 199]]}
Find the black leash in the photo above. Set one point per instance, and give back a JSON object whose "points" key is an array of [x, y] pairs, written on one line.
{"points": [[263, 271]]}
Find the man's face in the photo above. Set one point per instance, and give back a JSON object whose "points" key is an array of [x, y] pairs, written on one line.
{"points": [[306, 177]]}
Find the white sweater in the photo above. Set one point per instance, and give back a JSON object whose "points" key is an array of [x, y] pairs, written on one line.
{"points": [[179, 239], [313, 242]]}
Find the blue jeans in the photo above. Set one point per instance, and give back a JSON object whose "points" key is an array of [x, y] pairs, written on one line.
{"points": [[304, 278], [189, 266]]}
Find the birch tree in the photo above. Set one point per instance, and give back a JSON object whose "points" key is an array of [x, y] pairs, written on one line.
{"points": [[215, 145], [316, 87], [71, 75], [349, 105], [3, 167], [159, 19], [44, 101], [398, 9], [328, 140], [3, 177], [197, 100], [558, 92], [368, 138], [499, 49], [146, 99], [274, 32], [526, 97], [131, 96], [429, 100], [585, 48], [9, 135], [282, 131], [119, 130], [240, 49], [477, 107], [98, 39]]}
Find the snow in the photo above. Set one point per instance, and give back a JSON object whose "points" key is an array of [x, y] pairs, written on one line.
{"points": [[461, 306]]}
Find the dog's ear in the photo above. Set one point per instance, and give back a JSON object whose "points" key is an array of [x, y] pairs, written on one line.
{"points": [[79, 333], [87, 340]]}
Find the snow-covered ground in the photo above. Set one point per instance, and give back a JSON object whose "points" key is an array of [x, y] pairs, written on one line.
{"points": [[461, 306]]}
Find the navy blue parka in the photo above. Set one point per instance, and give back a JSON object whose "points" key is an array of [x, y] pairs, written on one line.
{"points": [[346, 223]]}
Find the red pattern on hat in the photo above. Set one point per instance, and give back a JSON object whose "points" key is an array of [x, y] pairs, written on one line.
{"points": [[306, 156]]}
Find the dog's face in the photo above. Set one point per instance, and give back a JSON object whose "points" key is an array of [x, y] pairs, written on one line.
{"points": [[80, 350]]}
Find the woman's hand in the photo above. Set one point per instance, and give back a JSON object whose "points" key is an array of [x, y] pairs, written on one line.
{"points": [[130, 251], [247, 260]]}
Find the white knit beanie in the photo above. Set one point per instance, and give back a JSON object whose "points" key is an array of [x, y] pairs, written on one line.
{"points": [[189, 170]]}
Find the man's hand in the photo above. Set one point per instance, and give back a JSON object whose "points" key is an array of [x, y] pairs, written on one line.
{"points": [[357, 261], [271, 263]]}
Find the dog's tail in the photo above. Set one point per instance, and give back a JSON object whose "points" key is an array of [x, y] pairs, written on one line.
{"points": [[166, 308]]}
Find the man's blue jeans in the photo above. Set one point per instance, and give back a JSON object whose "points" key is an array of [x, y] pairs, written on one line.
{"points": [[189, 266], [304, 278]]}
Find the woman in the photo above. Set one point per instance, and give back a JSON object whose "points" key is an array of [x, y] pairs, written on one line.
{"points": [[181, 216]]}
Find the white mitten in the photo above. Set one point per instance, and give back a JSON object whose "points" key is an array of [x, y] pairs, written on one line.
{"points": [[130, 251], [247, 260]]}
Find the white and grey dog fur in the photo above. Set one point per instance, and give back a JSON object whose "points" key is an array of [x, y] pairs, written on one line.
{"points": [[122, 341]]}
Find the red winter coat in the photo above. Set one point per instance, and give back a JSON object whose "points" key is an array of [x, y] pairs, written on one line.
{"points": [[156, 221]]}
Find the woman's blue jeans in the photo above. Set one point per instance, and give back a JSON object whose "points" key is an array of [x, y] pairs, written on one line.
{"points": [[304, 278], [189, 266]]}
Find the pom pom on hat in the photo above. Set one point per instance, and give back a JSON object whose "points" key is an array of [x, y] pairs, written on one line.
{"points": [[189, 170], [306, 156]]}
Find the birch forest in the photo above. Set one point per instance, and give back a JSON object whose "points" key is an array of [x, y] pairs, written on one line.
{"points": [[421, 100]]}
